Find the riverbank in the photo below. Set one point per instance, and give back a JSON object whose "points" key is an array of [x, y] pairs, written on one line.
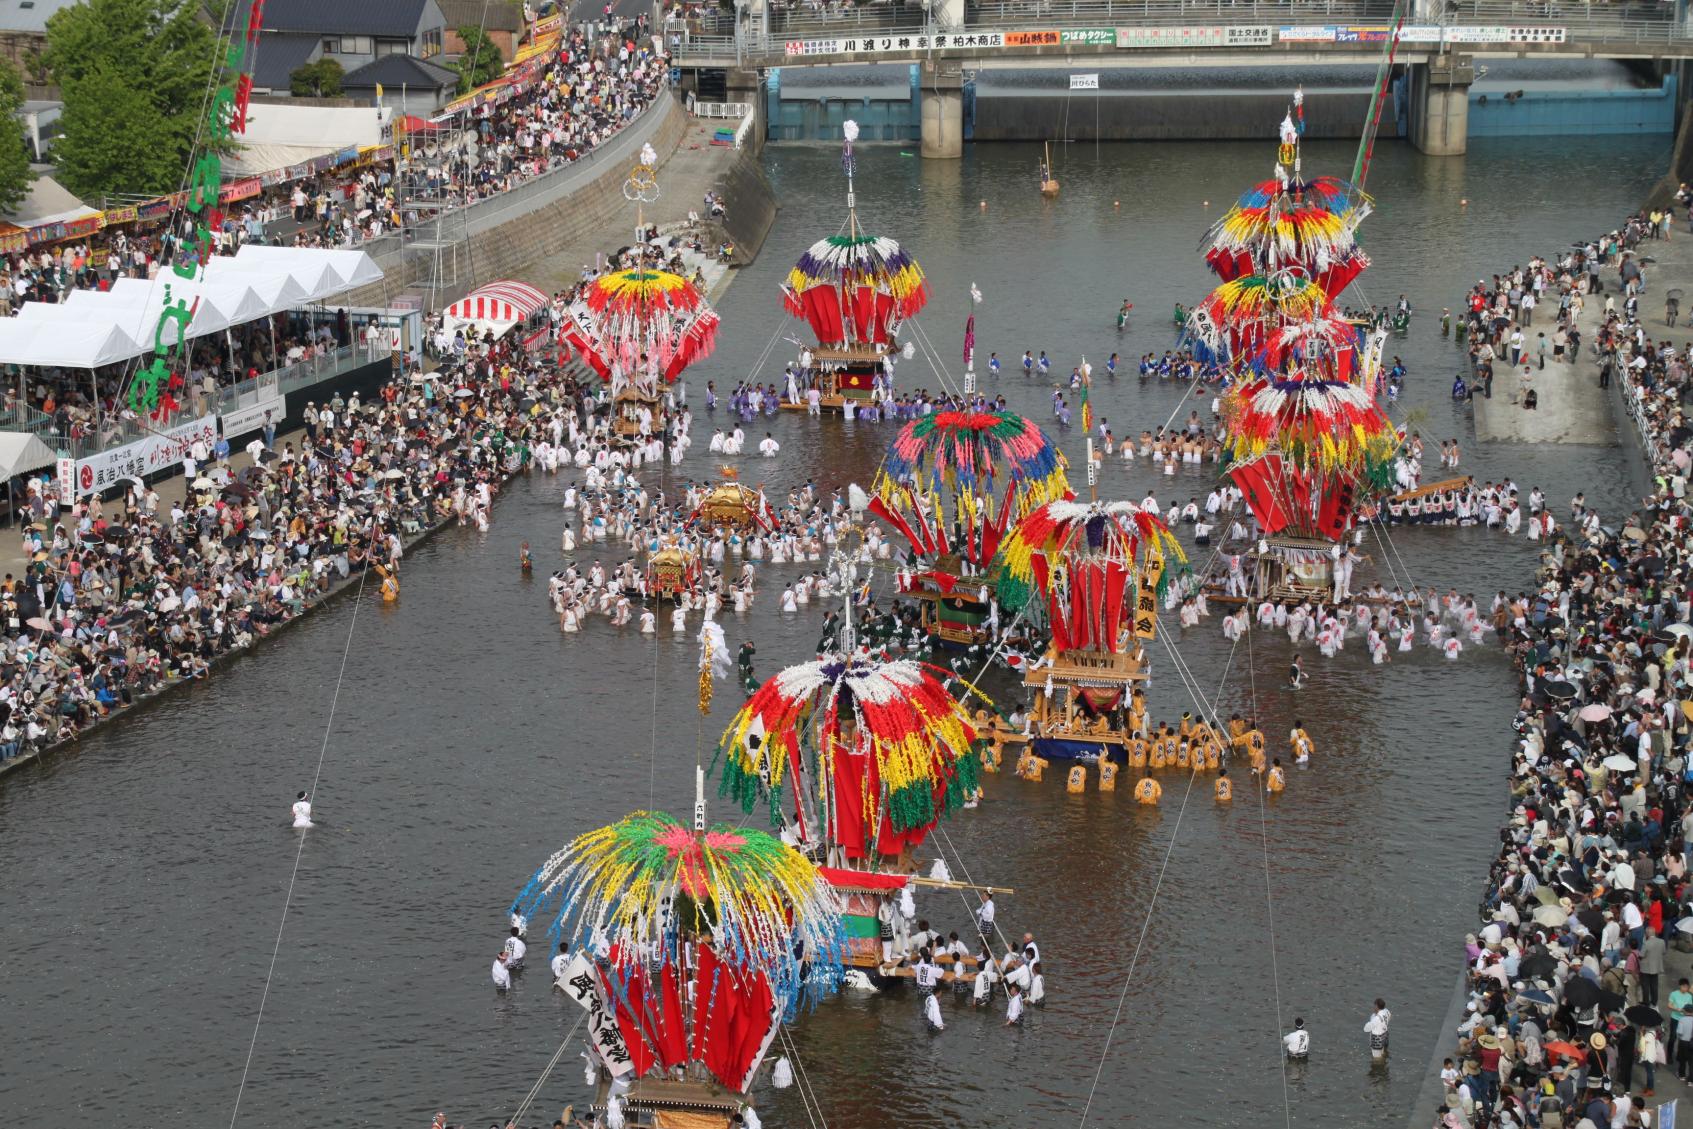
{"points": [[1596, 840]]}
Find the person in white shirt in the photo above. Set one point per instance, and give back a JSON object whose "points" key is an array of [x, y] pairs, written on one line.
{"points": [[561, 960], [1297, 1043], [932, 1012], [302, 811], [1013, 1006], [769, 447], [515, 951], [502, 978]]}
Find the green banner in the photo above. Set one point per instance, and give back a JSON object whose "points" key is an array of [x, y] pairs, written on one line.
{"points": [[1093, 36]]}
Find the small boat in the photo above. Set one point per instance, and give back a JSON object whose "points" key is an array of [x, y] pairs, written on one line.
{"points": [[1048, 186]]}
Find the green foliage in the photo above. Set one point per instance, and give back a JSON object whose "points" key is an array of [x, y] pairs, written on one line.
{"points": [[15, 173], [321, 79], [134, 75], [481, 61]]}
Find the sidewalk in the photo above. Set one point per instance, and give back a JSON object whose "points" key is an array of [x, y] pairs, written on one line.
{"points": [[1572, 407]]}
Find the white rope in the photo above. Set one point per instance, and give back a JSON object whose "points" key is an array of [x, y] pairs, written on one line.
{"points": [[1269, 904], [802, 1082], [535, 1090], [328, 728]]}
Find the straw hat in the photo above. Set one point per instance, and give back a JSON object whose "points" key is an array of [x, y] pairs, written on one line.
{"points": [[1597, 1042]]}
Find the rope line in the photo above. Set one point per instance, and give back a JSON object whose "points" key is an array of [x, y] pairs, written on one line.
{"points": [[535, 1090], [288, 899]]}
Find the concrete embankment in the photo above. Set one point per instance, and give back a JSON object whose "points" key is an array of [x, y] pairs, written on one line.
{"points": [[545, 230]]}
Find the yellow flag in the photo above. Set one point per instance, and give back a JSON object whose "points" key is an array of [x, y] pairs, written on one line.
{"points": [[379, 92]]}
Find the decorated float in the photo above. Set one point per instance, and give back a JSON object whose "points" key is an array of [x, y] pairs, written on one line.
{"points": [[854, 290], [639, 328], [952, 484], [733, 505], [690, 947]]}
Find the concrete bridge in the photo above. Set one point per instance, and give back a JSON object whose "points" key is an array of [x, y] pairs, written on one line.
{"points": [[1438, 43]]}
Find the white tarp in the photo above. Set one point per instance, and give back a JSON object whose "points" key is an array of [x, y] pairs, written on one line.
{"points": [[22, 452], [120, 324], [279, 136]]}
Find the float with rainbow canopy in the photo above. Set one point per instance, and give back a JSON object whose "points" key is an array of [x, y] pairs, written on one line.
{"points": [[1095, 572], [856, 759], [690, 947], [639, 327], [854, 290], [952, 484]]}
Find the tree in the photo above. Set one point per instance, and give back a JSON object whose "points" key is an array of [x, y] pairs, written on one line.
{"points": [[15, 174], [481, 61], [134, 75], [321, 79]]}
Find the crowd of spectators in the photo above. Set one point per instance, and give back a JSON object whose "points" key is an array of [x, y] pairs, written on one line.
{"points": [[120, 600], [598, 81], [1571, 1013]]}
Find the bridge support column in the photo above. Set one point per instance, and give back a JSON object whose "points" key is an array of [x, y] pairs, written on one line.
{"points": [[943, 110], [1440, 104], [743, 84]]}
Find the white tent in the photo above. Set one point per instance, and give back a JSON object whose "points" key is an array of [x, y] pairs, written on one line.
{"points": [[121, 323], [22, 452]]}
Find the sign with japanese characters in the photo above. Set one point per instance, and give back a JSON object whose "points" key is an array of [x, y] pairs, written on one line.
{"points": [[161, 450], [581, 982]]}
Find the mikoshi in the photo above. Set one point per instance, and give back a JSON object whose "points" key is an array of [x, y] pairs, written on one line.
{"points": [[877, 751], [1086, 558], [701, 942]]}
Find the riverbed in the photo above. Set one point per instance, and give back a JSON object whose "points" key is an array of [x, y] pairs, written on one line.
{"points": [[145, 872]]}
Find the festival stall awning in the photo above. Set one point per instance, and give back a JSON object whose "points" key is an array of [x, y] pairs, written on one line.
{"points": [[499, 304], [22, 452]]}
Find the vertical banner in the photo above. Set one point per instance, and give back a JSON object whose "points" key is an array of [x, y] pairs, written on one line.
{"points": [[65, 479], [1146, 605], [582, 983]]}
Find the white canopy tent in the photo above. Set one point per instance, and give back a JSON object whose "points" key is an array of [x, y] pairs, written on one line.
{"points": [[94, 328], [22, 452]]}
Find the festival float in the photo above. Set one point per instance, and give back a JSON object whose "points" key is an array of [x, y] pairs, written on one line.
{"points": [[1306, 442], [1098, 571], [690, 947], [854, 290], [857, 759], [673, 571], [952, 484], [639, 328]]}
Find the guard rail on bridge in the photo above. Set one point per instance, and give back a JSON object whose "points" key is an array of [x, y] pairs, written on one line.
{"points": [[722, 40]]}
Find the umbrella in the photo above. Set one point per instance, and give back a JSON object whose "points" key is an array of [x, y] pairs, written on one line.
{"points": [[1536, 996], [394, 473], [463, 394], [1618, 762], [204, 483], [1561, 1049], [1643, 1016], [1685, 925], [268, 456], [1581, 992], [1559, 691], [1551, 915], [1592, 918], [169, 604], [38, 624], [1678, 629], [1546, 895], [1596, 711]]}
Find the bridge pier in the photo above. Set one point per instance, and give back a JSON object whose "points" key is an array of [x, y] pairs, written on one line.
{"points": [[1440, 104], [942, 110], [744, 84]]}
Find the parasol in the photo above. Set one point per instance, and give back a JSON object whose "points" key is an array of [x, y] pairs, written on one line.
{"points": [[877, 752], [1617, 762], [1557, 690], [1086, 559], [1679, 629], [706, 938], [1537, 966], [946, 470], [639, 327], [1536, 996], [855, 288], [1596, 711], [1552, 916], [1643, 1015]]}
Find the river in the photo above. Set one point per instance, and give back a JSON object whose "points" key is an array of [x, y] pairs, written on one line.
{"points": [[144, 873]]}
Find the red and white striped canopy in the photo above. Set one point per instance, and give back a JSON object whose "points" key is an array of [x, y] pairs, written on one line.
{"points": [[499, 304]]}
